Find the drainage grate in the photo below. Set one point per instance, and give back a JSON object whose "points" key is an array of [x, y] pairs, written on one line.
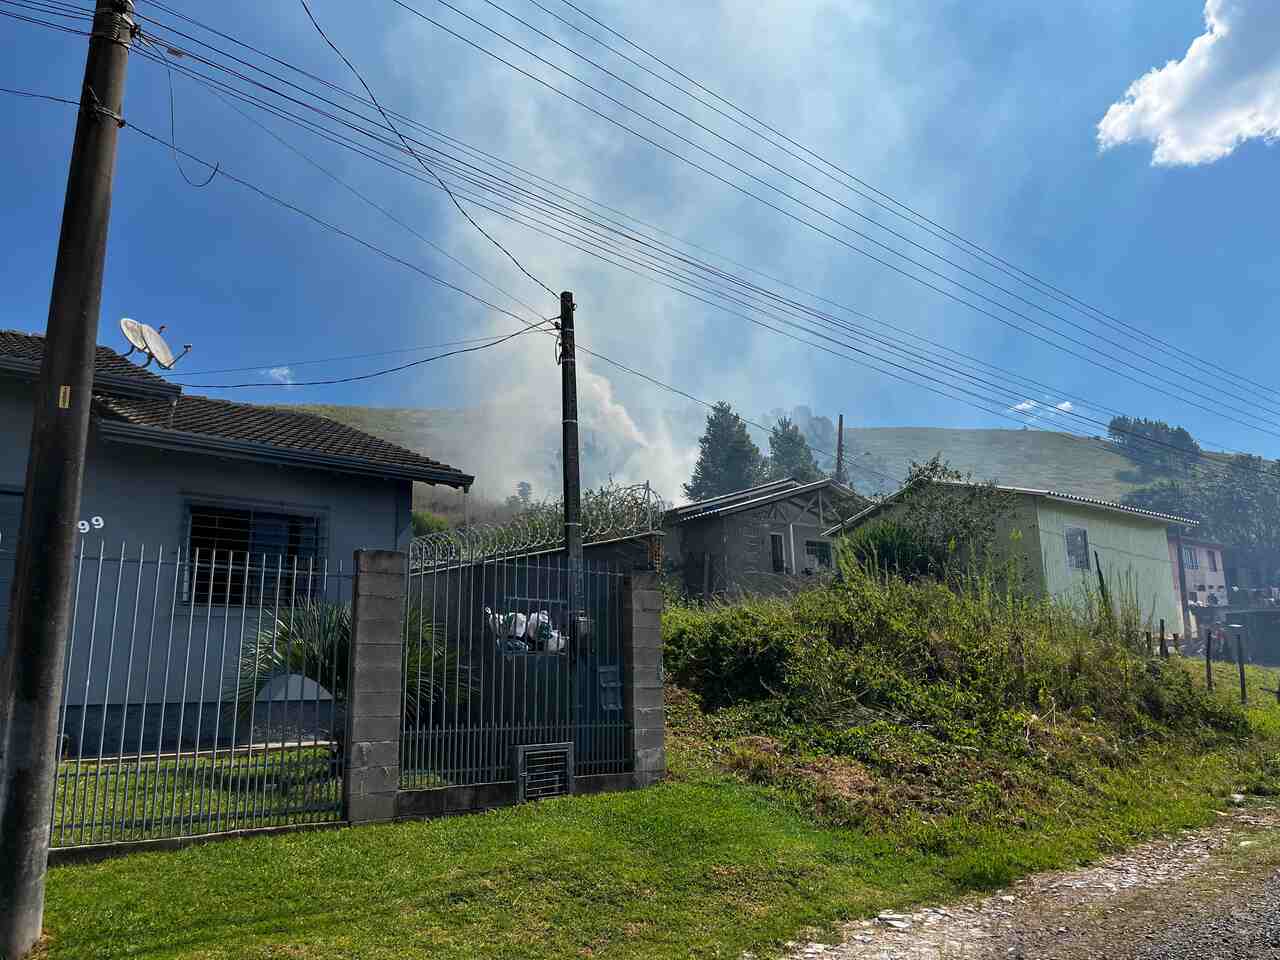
{"points": [[543, 770]]}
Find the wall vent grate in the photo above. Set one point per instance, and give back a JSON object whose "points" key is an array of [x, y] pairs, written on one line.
{"points": [[543, 770]]}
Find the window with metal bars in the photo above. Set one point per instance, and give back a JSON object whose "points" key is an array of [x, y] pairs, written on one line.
{"points": [[241, 555]]}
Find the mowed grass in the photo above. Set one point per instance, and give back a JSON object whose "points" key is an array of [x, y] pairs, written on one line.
{"points": [[703, 865], [124, 799]]}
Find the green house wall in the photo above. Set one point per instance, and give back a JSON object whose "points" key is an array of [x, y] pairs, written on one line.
{"points": [[1134, 553]]}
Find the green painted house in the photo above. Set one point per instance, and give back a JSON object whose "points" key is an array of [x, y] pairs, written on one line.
{"points": [[1062, 538]]}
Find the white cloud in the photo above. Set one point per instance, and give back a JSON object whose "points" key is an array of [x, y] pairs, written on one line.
{"points": [[1223, 92], [1025, 406], [1066, 406], [280, 374]]}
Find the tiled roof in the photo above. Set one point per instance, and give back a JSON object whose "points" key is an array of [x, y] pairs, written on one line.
{"points": [[755, 497], [306, 433], [137, 405], [110, 369], [1028, 491]]}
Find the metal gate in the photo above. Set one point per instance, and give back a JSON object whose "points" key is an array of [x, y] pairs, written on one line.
{"points": [[490, 666], [202, 694]]}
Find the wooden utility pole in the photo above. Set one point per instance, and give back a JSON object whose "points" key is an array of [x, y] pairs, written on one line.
{"points": [[572, 479], [840, 474], [31, 673]]}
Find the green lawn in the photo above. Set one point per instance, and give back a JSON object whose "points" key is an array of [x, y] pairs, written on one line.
{"points": [[701, 866], [128, 799]]}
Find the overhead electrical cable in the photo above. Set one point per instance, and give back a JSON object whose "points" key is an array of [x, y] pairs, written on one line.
{"points": [[352, 67], [983, 408], [978, 397], [887, 201], [941, 276], [1159, 385], [364, 376]]}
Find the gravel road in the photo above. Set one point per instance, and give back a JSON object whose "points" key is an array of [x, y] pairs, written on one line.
{"points": [[1211, 894]]}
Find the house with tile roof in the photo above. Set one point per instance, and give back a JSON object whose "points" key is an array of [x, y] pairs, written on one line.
{"points": [[763, 540], [212, 477], [1062, 540]]}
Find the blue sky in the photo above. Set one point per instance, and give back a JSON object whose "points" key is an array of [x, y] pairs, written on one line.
{"points": [[985, 116]]}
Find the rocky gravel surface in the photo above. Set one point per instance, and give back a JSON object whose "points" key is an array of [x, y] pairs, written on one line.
{"points": [[1210, 894]]}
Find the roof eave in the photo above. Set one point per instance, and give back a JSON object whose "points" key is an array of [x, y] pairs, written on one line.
{"points": [[107, 383], [165, 439]]}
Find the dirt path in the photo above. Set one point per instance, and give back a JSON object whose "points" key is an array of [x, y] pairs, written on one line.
{"points": [[1208, 894]]}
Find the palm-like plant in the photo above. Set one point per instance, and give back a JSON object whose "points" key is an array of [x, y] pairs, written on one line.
{"points": [[313, 640]]}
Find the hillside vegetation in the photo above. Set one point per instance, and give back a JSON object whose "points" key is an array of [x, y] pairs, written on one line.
{"points": [[1031, 458], [936, 712]]}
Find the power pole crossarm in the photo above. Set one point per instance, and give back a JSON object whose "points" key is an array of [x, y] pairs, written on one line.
{"points": [[31, 672]]}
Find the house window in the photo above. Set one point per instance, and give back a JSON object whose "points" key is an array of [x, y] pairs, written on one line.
{"points": [[775, 548], [237, 555], [1213, 561], [817, 553], [1077, 548], [1190, 558]]}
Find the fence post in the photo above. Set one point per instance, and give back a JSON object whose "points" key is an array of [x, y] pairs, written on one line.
{"points": [[1208, 658], [1244, 694], [1164, 644], [375, 687], [642, 689]]}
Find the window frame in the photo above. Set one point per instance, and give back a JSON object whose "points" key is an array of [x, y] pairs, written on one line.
{"points": [[1213, 561], [260, 587], [1190, 558], [1072, 563]]}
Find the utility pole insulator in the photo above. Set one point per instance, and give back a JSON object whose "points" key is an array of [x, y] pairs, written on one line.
{"points": [[40, 607]]}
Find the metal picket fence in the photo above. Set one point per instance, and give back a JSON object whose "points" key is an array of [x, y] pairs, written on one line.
{"points": [[202, 693], [490, 667]]}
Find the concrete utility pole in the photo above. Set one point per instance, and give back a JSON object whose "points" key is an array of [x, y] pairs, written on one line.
{"points": [[572, 480], [31, 673], [840, 474]]}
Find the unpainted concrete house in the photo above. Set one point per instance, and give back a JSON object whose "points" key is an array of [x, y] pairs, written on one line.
{"points": [[761, 540]]}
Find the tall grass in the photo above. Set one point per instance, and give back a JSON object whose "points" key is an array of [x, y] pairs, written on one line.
{"points": [[949, 695]]}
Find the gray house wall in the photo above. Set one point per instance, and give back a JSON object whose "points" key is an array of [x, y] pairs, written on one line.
{"points": [[732, 554], [142, 495]]}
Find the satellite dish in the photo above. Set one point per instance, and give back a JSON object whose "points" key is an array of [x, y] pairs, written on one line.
{"points": [[146, 338], [132, 331]]}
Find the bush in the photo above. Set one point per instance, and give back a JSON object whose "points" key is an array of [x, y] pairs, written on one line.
{"points": [[889, 547], [968, 665]]}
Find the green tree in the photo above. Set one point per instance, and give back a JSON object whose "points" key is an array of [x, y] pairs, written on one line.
{"points": [[426, 523], [1237, 501], [1157, 448], [945, 520], [728, 459], [789, 454]]}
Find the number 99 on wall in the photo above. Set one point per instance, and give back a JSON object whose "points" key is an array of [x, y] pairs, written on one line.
{"points": [[93, 523]]}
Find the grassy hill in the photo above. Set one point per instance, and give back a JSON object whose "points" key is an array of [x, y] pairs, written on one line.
{"points": [[1030, 458], [1024, 458]]}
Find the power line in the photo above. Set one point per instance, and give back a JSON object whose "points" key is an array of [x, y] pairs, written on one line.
{"points": [[282, 364], [39, 96], [934, 379], [413, 153], [793, 198], [893, 205], [1190, 402], [363, 376], [429, 276]]}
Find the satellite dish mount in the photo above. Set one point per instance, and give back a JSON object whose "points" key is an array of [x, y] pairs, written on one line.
{"points": [[147, 339]]}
